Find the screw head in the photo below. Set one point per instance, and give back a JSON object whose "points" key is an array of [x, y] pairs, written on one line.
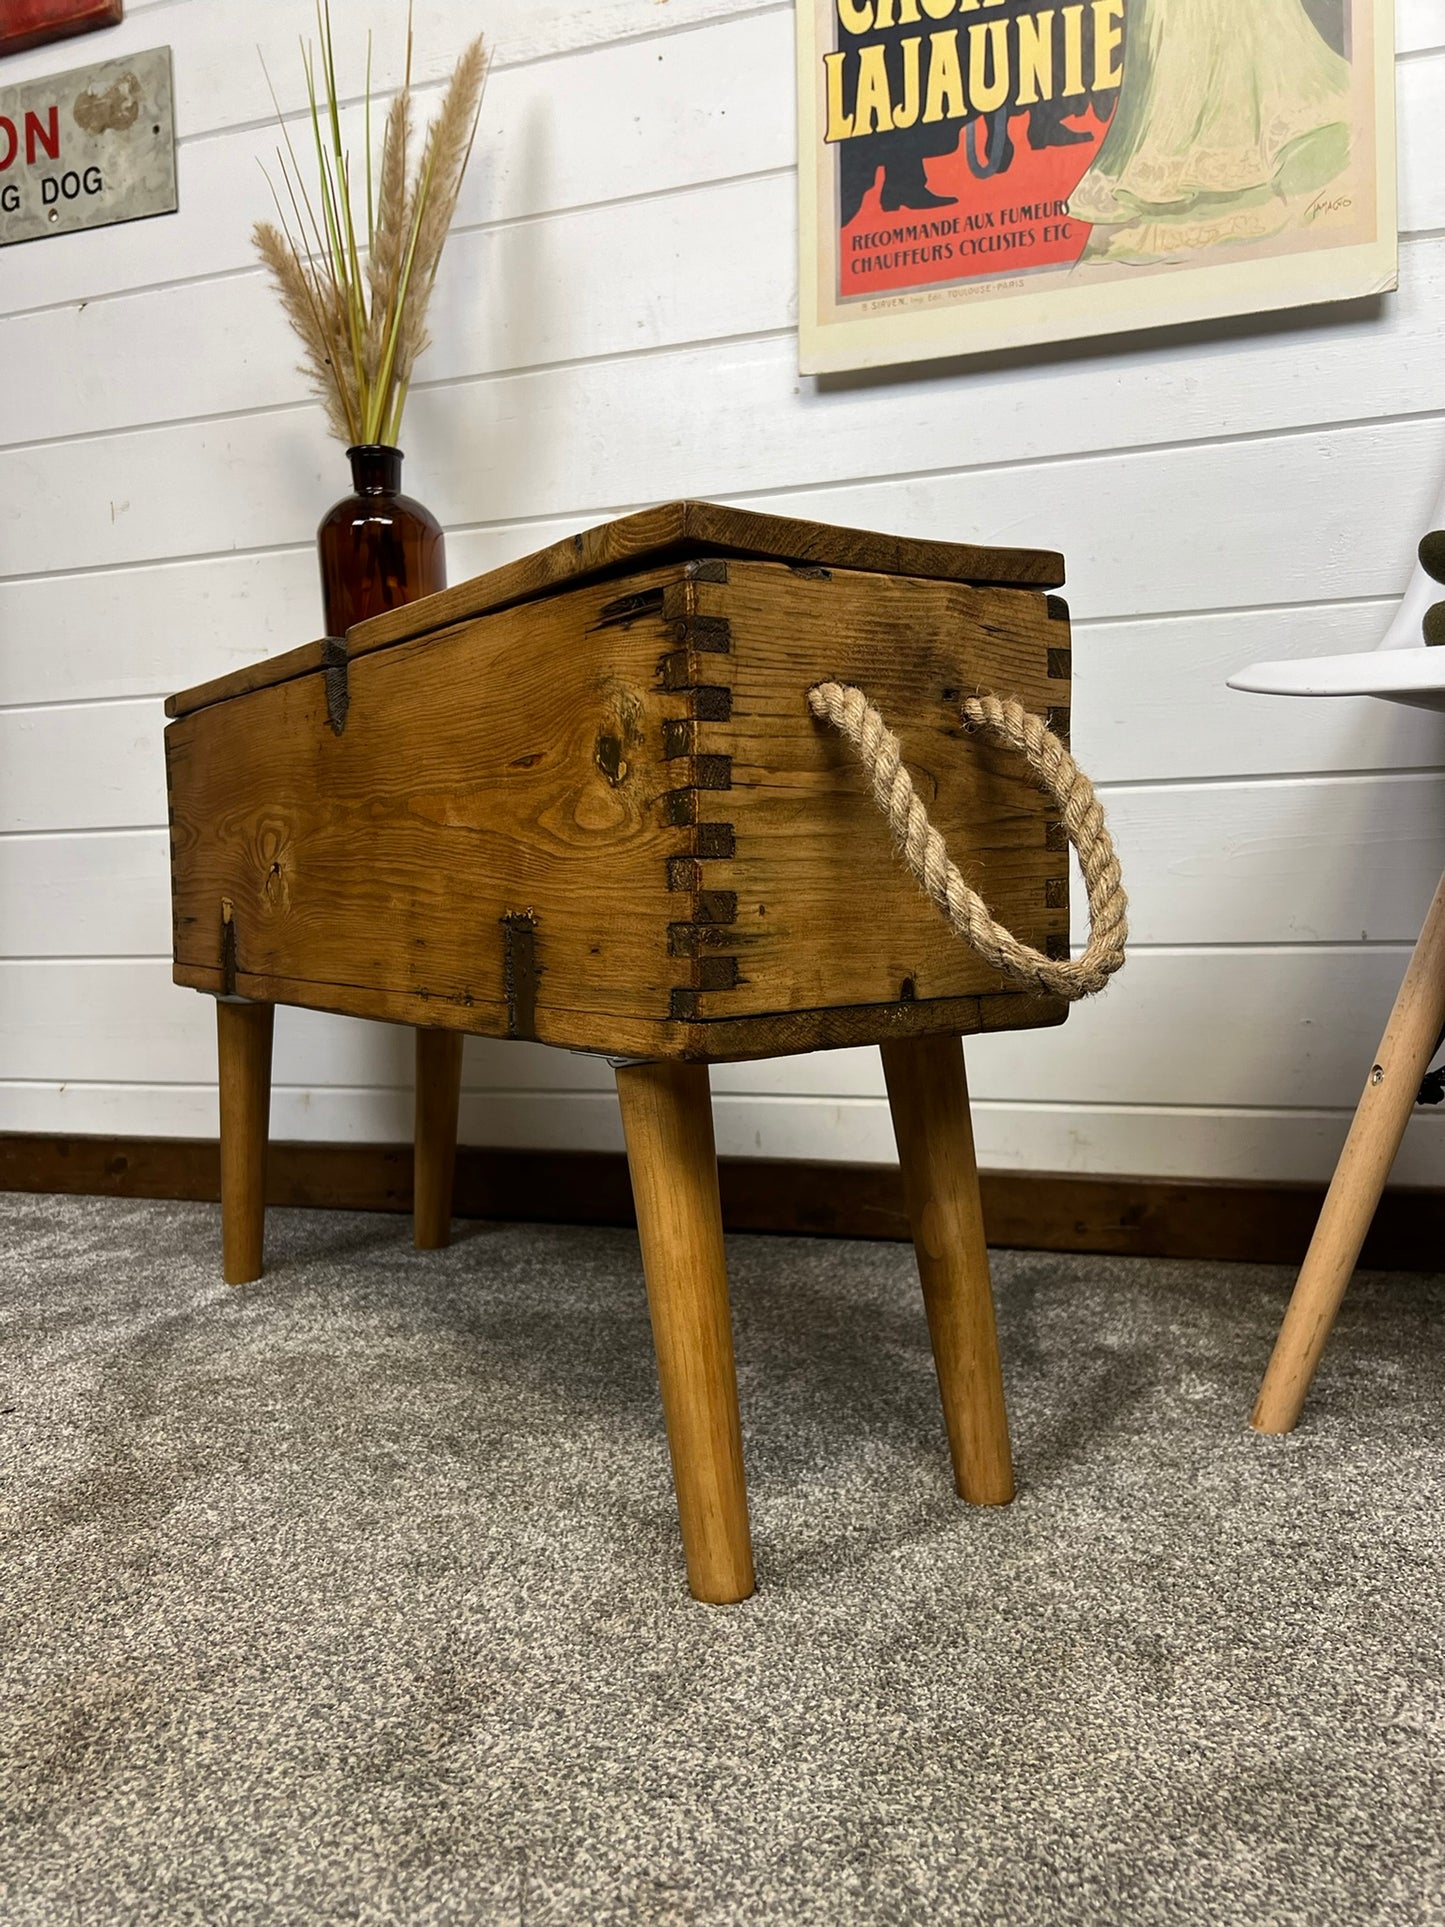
{"points": [[1377, 1075]]}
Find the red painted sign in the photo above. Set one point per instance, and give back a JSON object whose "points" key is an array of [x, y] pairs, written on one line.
{"points": [[29, 23]]}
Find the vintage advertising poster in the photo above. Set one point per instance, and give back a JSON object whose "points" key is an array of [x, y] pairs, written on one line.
{"points": [[983, 174]]}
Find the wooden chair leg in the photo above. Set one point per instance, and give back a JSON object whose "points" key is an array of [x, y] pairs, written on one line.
{"points": [[667, 1119], [434, 1159], [243, 1048], [928, 1096], [1403, 1058]]}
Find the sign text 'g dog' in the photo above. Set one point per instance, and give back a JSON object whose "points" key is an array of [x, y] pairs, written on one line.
{"points": [[87, 148]]}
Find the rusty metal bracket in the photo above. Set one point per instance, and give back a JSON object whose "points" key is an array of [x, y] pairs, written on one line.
{"points": [[520, 971], [338, 691]]}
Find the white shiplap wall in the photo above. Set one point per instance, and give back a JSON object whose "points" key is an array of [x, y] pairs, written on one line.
{"points": [[614, 325]]}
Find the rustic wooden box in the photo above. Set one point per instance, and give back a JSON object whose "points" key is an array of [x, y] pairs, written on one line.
{"points": [[582, 798]]}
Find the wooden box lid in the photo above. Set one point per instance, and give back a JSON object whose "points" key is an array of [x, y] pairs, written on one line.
{"points": [[677, 531]]}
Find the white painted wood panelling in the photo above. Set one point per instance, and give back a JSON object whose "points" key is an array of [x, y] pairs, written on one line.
{"points": [[85, 766], [1197, 524], [96, 895], [702, 103], [221, 46], [613, 326], [496, 294], [1269, 1026], [495, 297]]}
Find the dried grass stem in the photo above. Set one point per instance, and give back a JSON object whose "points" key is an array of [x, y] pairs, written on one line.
{"points": [[362, 327]]}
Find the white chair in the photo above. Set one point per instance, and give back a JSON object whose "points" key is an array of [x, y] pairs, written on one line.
{"points": [[1402, 669]]}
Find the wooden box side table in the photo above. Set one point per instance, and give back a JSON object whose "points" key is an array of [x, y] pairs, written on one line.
{"points": [[582, 800]]}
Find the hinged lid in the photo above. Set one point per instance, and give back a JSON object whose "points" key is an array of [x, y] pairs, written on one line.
{"points": [[676, 532]]}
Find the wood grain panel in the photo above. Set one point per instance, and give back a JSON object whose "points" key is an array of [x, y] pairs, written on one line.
{"points": [[550, 765], [1273, 862], [824, 912], [1151, 705], [490, 787], [670, 531], [715, 1040]]}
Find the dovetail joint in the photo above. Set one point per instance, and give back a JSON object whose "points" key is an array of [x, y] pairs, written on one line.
{"points": [[712, 635], [692, 939], [714, 841], [718, 973], [701, 934]]}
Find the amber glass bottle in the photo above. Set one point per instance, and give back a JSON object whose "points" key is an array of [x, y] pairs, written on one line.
{"points": [[378, 548]]}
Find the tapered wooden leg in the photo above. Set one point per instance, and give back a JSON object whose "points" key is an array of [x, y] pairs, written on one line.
{"points": [[667, 1118], [438, 1094], [243, 1044], [1379, 1124], [928, 1095]]}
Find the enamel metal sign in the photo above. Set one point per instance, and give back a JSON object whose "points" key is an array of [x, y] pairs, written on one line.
{"points": [[87, 148]]}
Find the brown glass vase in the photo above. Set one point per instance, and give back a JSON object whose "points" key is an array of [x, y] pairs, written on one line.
{"points": [[378, 548]]}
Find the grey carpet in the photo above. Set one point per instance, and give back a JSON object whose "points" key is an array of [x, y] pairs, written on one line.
{"points": [[356, 1595]]}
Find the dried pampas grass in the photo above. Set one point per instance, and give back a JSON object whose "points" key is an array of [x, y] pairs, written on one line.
{"points": [[362, 328]]}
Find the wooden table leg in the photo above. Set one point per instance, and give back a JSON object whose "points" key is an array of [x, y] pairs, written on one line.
{"points": [[1391, 1088], [667, 1118], [928, 1095], [434, 1159], [243, 1048]]}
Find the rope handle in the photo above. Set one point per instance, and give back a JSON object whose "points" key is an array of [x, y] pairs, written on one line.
{"points": [[926, 854]]}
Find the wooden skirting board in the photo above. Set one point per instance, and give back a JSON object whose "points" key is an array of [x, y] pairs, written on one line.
{"points": [[1039, 1211]]}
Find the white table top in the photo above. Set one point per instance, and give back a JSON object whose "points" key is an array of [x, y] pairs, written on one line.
{"points": [[1415, 676]]}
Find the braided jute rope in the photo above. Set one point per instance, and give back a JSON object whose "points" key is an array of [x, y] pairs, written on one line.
{"points": [[924, 851]]}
